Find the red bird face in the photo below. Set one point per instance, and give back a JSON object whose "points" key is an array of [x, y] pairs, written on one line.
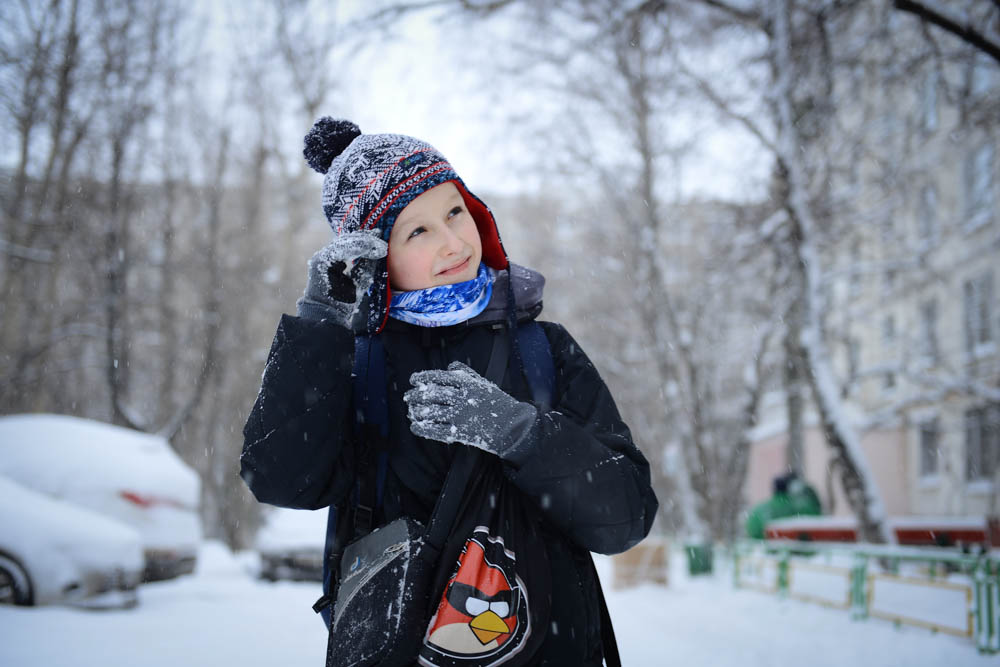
{"points": [[478, 611]]}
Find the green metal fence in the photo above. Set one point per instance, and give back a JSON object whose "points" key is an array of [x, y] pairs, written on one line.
{"points": [[769, 566]]}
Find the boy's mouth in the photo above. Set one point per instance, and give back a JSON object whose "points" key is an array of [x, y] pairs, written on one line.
{"points": [[457, 268]]}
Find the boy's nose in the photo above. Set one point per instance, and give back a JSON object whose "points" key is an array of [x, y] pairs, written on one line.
{"points": [[453, 243]]}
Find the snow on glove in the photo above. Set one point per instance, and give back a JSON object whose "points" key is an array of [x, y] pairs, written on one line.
{"points": [[340, 275], [459, 405]]}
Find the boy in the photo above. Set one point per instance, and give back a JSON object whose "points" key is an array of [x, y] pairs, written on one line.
{"points": [[417, 264]]}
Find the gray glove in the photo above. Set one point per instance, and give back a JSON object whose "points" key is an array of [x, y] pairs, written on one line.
{"points": [[340, 275], [459, 405]]}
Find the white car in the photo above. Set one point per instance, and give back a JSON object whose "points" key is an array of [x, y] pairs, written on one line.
{"points": [[55, 552], [133, 477], [290, 544]]}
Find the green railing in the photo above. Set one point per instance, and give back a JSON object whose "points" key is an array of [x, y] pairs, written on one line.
{"points": [[871, 564]]}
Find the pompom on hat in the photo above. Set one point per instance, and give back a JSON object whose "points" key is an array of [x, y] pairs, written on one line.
{"points": [[370, 178]]}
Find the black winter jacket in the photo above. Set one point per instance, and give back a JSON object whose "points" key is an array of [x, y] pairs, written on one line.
{"points": [[584, 474]]}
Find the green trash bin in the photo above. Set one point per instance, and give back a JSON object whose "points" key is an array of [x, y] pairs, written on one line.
{"points": [[699, 557]]}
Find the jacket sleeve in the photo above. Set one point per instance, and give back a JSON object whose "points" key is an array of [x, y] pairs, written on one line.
{"points": [[297, 448], [583, 469]]}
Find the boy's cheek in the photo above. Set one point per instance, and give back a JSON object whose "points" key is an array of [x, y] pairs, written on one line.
{"points": [[404, 272]]}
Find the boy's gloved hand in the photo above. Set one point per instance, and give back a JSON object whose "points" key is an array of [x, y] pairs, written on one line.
{"points": [[459, 405], [340, 275]]}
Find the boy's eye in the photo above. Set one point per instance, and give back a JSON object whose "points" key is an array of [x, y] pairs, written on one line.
{"points": [[455, 211], [416, 232]]}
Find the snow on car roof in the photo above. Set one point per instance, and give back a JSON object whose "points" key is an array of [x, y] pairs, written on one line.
{"points": [[292, 529], [59, 453]]}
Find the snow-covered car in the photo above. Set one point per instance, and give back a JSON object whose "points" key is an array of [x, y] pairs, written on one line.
{"points": [[290, 544], [55, 552], [133, 477]]}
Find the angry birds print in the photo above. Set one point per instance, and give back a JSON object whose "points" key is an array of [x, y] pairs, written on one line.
{"points": [[482, 618]]}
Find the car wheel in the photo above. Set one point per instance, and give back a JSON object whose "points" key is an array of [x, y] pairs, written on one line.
{"points": [[15, 587]]}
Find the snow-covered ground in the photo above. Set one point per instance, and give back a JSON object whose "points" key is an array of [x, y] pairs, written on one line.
{"points": [[221, 616]]}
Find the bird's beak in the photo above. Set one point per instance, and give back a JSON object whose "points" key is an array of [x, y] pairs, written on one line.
{"points": [[488, 626]]}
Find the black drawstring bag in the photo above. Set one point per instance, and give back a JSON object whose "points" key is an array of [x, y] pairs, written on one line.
{"points": [[493, 586], [478, 594]]}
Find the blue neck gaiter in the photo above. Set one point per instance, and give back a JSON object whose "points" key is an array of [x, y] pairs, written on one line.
{"points": [[445, 305]]}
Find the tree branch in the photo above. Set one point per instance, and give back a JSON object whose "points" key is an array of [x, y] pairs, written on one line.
{"points": [[985, 40], [38, 255], [741, 15], [724, 107]]}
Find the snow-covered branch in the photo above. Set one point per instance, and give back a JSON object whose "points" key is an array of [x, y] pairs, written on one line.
{"points": [[38, 255], [725, 108], [962, 27]]}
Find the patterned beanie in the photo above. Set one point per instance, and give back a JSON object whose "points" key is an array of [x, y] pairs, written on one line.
{"points": [[370, 178]]}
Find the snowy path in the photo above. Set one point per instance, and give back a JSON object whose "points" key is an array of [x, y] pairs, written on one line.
{"points": [[221, 617]]}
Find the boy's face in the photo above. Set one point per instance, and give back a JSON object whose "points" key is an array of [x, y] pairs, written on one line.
{"points": [[434, 242]]}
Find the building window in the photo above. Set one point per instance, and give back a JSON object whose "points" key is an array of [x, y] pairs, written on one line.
{"points": [[888, 342], [977, 301], [930, 437], [854, 284], [979, 187], [928, 332], [929, 105], [982, 441], [889, 330], [889, 280], [927, 215], [853, 357]]}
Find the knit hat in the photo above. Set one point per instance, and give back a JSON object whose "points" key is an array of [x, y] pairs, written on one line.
{"points": [[370, 178]]}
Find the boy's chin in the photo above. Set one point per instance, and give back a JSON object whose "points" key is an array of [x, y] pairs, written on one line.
{"points": [[453, 280]]}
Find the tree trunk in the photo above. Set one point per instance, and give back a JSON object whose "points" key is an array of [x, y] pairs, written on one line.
{"points": [[792, 375], [859, 483]]}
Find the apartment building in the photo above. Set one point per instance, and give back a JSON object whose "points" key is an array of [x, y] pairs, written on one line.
{"points": [[911, 307]]}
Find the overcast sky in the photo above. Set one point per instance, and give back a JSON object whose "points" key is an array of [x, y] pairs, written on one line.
{"points": [[425, 82]]}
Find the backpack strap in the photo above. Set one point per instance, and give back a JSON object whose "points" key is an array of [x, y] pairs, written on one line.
{"points": [[608, 642], [371, 430], [499, 355], [371, 408], [539, 367]]}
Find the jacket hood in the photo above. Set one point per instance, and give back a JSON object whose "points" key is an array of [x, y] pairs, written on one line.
{"points": [[528, 287]]}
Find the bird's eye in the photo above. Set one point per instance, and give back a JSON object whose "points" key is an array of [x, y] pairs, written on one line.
{"points": [[475, 606], [501, 609]]}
